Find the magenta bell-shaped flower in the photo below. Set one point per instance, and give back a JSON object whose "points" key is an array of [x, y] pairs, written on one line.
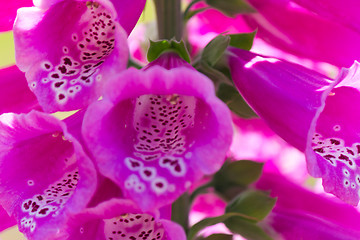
{"points": [[69, 49], [45, 174], [158, 130], [315, 114]]}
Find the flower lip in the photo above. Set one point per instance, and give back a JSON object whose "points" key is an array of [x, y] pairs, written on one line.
{"points": [[333, 145], [166, 126], [120, 218]]}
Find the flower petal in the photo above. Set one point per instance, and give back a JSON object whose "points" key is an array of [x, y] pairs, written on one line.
{"points": [[8, 13], [15, 95], [67, 64], [120, 219], [303, 33], [45, 174], [345, 13], [333, 144], [157, 131], [5, 220], [306, 215]]}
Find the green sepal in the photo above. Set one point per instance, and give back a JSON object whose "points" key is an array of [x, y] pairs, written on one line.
{"points": [[229, 95], [247, 229], [253, 203], [212, 221], [231, 7], [158, 47], [215, 49], [242, 40]]}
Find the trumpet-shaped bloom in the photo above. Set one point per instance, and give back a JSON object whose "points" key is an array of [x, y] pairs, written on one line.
{"points": [[305, 34], [68, 49], [121, 219], [15, 96], [309, 111], [45, 175], [301, 214], [157, 131]]}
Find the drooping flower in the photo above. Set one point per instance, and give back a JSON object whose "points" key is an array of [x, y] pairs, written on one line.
{"points": [[68, 49], [15, 96], [45, 175], [313, 113], [121, 219], [156, 131], [301, 214], [302, 33]]}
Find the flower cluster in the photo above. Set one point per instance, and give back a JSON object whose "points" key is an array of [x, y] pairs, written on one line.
{"points": [[141, 141]]}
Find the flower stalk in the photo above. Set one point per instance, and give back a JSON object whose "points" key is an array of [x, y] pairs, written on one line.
{"points": [[169, 19]]}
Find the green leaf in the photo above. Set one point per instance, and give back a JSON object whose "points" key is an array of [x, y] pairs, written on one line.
{"points": [[256, 204], [241, 173], [215, 49], [158, 47], [217, 236], [235, 101], [212, 221], [180, 210], [231, 7], [242, 40], [246, 229]]}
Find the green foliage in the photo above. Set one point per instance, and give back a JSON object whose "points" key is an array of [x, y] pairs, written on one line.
{"points": [[231, 7], [215, 49], [212, 221], [217, 236], [180, 211], [234, 177], [242, 40], [229, 95], [247, 229], [256, 204], [158, 47]]}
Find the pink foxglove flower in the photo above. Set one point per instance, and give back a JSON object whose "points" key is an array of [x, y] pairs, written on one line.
{"points": [[68, 49], [45, 175], [305, 34], [301, 214], [121, 219], [156, 131], [15, 96], [313, 113]]}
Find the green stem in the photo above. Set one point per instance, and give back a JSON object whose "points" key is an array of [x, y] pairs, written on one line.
{"points": [[189, 6], [200, 190], [180, 211], [169, 19]]}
